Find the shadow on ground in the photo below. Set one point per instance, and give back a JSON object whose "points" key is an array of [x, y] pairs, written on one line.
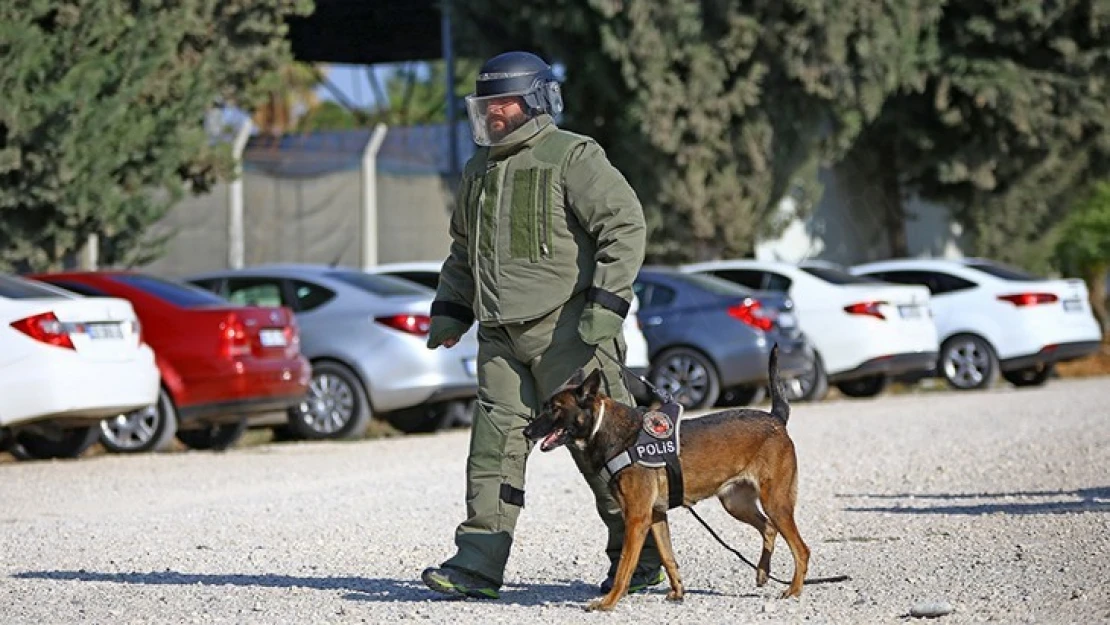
{"points": [[1017, 503], [360, 588]]}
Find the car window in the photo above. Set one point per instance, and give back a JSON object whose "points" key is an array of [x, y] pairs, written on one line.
{"points": [[378, 284], [254, 291], [12, 287], [937, 282], [777, 282], [1004, 272], [79, 288], [208, 284], [948, 283], [836, 276], [715, 285], [429, 279], [309, 296], [750, 278], [183, 295], [657, 296]]}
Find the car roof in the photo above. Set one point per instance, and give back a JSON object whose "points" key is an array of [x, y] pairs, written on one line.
{"points": [[741, 263], [415, 265], [306, 270], [918, 263]]}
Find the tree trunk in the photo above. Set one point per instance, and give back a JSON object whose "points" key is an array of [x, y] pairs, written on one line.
{"points": [[1096, 287], [893, 212]]}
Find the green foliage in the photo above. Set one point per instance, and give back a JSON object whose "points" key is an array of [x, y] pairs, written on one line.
{"points": [[716, 110], [1013, 123], [1084, 237], [418, 97], [103, 103]]}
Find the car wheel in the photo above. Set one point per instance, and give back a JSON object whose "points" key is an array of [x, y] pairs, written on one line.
{"points": [[214, 437], [742, 396], [69, 443], [968, 363], [869, 386], [335, 406], [1029, 376], [813, 385], [147, 429], [688, 376]]}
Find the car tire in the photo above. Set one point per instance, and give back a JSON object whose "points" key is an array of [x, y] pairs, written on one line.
{"points": [[214, 437], [813, 385], [147, 429], [868, 386], [742, 396], [335, 407], [1036, 375], [68, 443], [688, 375], [967, 363]]}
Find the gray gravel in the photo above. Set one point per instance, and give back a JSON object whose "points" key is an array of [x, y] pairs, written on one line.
{"points": [[980, 506]]}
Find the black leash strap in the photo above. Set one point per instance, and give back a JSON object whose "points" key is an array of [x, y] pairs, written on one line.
{"points": [[819, 580], [662, 395]]}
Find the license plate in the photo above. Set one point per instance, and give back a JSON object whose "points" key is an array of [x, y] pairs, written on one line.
{"points": [[1073, 305], [102, 331], [272, 337], [909, 312], [787, 320]]}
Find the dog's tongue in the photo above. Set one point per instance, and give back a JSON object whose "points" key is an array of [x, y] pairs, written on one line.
{"points": [[549, 440]]}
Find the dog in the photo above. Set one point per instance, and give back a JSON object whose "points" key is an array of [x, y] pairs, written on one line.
{"points": [[743, 456]]}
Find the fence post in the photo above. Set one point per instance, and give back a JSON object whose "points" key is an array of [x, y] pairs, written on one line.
{"points": [[235, 232], [370, 197]]}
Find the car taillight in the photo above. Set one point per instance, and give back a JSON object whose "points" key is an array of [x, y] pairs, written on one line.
{"points": [[751, 312], [867, 309], [1029, 299], [233, 337], [411, 324], [45, 328]]}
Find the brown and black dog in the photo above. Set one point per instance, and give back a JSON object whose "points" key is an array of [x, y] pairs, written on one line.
{"points": [[743, 456]]}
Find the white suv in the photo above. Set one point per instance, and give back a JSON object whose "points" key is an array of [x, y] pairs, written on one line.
{"points": [[864, 331], [994, 319]]}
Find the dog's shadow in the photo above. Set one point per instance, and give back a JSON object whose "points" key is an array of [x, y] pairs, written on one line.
{"points": [[370, 589]]}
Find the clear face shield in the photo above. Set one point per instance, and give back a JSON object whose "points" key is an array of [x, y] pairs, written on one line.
{"points": [[494, 117]]}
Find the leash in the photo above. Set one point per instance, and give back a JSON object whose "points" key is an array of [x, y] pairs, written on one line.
{"points": [[818, 580], [667, 397], [661, 394]]}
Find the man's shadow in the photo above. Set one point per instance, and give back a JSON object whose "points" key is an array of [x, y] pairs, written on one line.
{"points": [[360, 588]]}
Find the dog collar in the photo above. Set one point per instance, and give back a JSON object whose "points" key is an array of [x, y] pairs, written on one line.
{"points": [[656, 447]]}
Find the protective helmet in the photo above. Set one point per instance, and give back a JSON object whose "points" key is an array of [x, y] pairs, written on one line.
{"points": [[511, 78]]}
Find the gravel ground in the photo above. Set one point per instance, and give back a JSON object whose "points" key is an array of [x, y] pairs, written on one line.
{"points": [[995, 505]]}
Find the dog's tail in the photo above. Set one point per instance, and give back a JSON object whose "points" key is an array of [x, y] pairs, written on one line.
{"points": [[779, 406]]}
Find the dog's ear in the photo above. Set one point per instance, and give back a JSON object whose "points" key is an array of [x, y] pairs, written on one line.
{"points": [[591, 385]]}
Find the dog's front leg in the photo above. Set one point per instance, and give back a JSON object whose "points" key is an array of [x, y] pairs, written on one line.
{"points": [[636, 526]]}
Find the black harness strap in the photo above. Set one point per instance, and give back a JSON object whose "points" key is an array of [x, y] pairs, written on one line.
{"points": [[656, 447]]}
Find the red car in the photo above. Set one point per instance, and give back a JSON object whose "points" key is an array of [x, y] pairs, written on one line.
{"points": [[219, 362]]}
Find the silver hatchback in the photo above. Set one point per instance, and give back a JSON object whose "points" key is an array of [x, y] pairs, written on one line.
{"points": [[365, 335]]}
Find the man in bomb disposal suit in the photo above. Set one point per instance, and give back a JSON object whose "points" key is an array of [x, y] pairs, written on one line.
{"points": [[547, 238]]}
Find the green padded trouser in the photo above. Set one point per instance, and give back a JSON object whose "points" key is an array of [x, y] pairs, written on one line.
{"points": [[519, 366]]}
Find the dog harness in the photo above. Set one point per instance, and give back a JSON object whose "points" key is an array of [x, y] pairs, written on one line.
{"points": [[656, 447]]}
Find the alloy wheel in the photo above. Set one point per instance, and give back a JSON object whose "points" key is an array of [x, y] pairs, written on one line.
{"points": [[329, 404], [967, 364], [686, 379], [132, 430]]}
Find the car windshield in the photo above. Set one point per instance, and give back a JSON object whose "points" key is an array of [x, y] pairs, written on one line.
{"points": [[377, 284], [12, 287], [717, 286], [836, 276], [1004, 272], [183, 295]]}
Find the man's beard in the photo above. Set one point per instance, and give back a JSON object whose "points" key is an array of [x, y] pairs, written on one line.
{"points": [[500, 126]]}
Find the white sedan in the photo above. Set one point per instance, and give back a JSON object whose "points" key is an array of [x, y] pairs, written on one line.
{"points": [[994, 319], [864, 331], [66, 362]]}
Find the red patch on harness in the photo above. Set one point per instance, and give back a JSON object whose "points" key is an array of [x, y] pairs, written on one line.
{"points": [[658, 425]]}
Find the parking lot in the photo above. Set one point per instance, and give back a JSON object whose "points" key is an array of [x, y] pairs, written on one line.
{"points": [[996, 504]]}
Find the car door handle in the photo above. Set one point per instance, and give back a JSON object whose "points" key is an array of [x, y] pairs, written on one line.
{"points": [[653, 321]]}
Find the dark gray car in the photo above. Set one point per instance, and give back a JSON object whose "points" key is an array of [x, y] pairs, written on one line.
{"points": [[710, 339]]}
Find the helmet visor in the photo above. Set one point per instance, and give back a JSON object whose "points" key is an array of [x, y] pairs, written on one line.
{"points": [[494, 117]]}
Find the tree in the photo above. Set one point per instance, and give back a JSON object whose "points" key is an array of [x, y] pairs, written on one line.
{"points": [[1083, 247], [1013, 123], [104, 100], [716, 110]]}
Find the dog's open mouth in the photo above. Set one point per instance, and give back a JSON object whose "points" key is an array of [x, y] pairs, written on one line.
{"points": [[557, 437]]}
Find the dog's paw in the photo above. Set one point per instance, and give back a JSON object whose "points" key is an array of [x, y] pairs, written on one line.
{"points": [[598, 605], [761, 578]]}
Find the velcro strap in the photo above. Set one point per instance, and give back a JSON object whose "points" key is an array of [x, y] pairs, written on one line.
{"points": [[453, 310], [608, 300], [676, 490], [615, 465], [512, 496]]}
